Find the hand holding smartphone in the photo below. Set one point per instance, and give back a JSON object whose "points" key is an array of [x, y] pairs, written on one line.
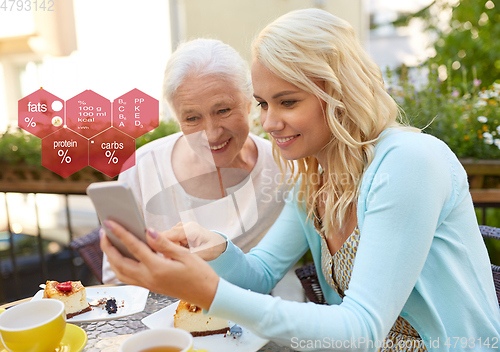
{"points": [[114, 200]]}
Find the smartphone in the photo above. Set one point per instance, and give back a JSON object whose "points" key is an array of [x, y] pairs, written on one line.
{"points": [[114, 200]]}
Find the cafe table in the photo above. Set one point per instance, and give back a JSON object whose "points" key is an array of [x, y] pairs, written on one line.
{"points": [[108, 334]]}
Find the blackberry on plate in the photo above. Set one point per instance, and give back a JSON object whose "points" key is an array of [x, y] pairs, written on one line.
{"points": [[111, 306]]}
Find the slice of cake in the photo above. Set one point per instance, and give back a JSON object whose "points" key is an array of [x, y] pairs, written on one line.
{"points": [[71, 293], [189, 317]]}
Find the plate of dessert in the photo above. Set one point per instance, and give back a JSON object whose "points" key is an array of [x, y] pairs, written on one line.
{"points": [[211, 333], [84, 304]]}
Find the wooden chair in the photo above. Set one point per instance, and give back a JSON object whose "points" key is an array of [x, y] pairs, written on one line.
{"points": [[89, 249], [309, 278]]}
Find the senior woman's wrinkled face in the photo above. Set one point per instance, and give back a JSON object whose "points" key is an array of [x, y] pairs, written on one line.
{"points": [[217, 107]]}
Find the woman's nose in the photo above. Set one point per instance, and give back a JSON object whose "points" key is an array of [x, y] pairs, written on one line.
{"points": [[213, 130], [271, 121]]}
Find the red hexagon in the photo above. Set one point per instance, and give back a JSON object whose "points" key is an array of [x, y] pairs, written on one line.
{"points": [[136, 113], [40, 113], [112, 152], [65, 152], [88, 113]]}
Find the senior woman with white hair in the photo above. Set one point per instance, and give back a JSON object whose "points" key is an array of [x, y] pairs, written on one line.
{"points": [[212, 173]]}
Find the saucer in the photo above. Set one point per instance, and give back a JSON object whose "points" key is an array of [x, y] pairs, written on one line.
{"points": [[74, 340]]}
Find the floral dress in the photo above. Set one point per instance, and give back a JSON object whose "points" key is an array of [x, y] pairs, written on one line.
{"points": [[337, 271]]}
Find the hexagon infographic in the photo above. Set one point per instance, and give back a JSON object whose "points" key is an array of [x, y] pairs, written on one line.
{"points": [[135, 113], [65, 152], [79, 132], [112, 152], [88, 113], [40, 113]]}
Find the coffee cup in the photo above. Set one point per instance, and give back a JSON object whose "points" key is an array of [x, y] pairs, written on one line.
{"points": [[34, 326], [160, 340]]}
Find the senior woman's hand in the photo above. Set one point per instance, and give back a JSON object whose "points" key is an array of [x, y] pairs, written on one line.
{"points": [[178, 273], [206, 244]]}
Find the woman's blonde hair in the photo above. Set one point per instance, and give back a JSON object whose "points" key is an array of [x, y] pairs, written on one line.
{"points": [[311, 45]]}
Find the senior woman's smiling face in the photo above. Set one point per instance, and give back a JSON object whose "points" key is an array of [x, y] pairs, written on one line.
{"points": [[216, 106]]}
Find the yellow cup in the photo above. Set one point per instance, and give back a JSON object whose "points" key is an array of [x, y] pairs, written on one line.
{"points": [[171, 337], [35, 326]]}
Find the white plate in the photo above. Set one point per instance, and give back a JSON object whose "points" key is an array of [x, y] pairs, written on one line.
{"points": [[134, 300], [247, 342]]}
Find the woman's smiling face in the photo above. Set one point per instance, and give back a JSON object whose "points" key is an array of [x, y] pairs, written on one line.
{"points": [[215, 106], [292, 116]]}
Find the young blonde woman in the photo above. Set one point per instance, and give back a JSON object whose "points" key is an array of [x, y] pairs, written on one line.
{"points": [[384, 209]]}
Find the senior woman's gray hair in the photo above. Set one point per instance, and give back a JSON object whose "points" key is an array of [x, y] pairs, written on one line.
{"points": [[203, 57]]}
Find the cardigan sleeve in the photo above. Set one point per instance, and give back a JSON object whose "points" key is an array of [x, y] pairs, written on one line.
{"points": [[403, 194], [265, 265]]}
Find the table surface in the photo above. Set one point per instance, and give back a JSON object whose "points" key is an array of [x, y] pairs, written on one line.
{"points": [[102, 334]]}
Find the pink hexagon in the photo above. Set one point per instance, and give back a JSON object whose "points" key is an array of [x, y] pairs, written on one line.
{"points": [[88, 113], [112, 152], [136, 113], [40, 113], [64, 152]]}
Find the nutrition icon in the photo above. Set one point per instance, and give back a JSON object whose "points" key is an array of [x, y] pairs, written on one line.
{"points": [[111, 152], [38, 111], [88, 129]]}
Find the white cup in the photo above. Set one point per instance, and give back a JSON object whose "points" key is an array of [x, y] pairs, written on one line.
{"points": [[171, 337]]}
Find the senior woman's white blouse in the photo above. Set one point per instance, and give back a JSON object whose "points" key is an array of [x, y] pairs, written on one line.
{"points": [[244, 215]]}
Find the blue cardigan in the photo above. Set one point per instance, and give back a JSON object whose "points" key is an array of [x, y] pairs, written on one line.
{"points": [[420, 256]]}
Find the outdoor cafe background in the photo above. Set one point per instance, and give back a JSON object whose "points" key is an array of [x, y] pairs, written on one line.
{"points": [[112, 47]]}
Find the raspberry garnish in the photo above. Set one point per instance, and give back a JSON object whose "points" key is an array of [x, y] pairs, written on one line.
{"points": [[64, 286]]}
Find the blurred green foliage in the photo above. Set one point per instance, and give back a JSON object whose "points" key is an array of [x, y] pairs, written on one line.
{"points": [[468, 122], [20, 147], [468, 42], [471, 41]]}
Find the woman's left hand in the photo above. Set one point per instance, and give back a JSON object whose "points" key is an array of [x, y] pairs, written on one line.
{"points": [[177, 274]]}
